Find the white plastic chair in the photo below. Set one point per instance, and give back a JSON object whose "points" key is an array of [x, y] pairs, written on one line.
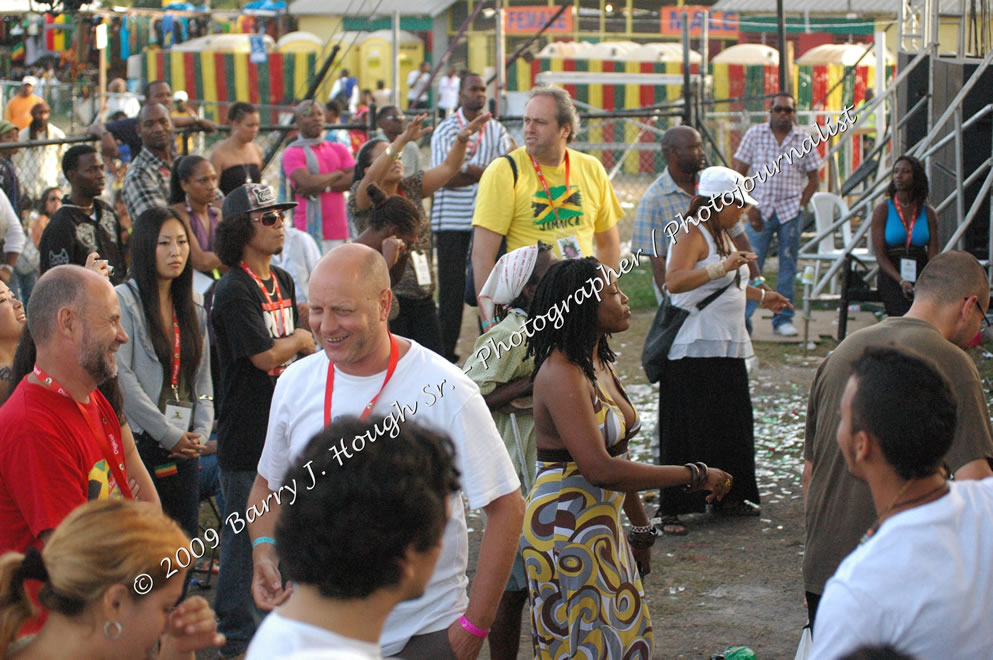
{"points": [[828, 207]]}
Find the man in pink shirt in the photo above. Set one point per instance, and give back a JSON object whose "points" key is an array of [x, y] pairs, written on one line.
{"points": [[320, 172]]}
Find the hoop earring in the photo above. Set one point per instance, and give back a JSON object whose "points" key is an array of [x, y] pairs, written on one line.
{"points": [[116, 626]]}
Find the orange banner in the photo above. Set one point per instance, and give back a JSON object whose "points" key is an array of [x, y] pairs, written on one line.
{"points": [[528, 20], [720, 24]]}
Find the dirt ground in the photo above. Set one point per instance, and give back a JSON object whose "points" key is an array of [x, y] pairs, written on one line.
{"points": [[729, 582]]}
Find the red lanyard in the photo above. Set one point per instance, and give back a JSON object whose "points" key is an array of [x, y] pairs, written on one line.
{"points": [[471, 150], [913, 221], [108, 447], [329, 388], [271, 305], [544, 184], [175, 355]]}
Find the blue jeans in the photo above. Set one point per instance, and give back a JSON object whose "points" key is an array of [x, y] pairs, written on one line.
{"points": [[789, 246], [210, 481], [22, 285], [236, 612]]}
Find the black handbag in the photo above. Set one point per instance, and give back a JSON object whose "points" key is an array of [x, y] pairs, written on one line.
{"points": [[665, 326]]}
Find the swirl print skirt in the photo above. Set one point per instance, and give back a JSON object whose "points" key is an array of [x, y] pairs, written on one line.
{"points": [[587, 599]]}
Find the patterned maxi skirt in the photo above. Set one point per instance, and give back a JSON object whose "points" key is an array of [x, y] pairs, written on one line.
{"points": [[587, 599]]}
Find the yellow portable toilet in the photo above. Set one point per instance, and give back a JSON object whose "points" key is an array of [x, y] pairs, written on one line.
{"points": [[375, 54], [299, 42]]}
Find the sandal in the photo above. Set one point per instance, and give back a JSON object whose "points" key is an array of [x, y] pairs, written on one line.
{"points": [[672, 526], [742, 509]]}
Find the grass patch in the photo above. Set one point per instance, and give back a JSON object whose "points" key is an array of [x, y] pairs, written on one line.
{"points": [[637, 286]]}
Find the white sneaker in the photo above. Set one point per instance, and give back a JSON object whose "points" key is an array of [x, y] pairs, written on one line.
{"points": [[785, 330]]}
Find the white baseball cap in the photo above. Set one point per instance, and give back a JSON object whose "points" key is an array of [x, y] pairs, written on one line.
{"points": [[180, 95], [715, 181], [29, 80]]}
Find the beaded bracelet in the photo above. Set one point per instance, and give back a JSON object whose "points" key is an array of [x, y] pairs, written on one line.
{"points": [[641, 540]]}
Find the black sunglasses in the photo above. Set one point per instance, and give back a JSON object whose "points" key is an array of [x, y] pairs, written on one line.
{"points": [[985, 323], [783, 108], [269, 219]]}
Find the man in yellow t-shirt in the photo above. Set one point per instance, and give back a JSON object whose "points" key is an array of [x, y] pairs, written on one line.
{"points": [[18, 111], [561, 196]]}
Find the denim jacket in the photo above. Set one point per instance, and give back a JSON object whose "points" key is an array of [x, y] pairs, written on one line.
{"points": [[140, 374]]}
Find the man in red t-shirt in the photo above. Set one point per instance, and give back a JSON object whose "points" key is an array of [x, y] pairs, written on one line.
{"points": [[60, 440], [320, 173]]}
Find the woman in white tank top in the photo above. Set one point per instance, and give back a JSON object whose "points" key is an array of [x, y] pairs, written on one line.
{"points": [[705, 407]]}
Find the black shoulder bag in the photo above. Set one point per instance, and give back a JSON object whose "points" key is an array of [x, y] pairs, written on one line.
{"points": [[668, 320]]}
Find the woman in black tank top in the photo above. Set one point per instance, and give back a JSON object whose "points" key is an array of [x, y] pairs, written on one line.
{"points": [[238, 158]]}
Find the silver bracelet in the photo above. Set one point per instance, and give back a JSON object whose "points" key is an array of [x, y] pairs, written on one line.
{"points": [[762, 300]]}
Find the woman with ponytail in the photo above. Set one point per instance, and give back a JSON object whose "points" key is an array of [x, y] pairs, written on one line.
{"points": [[106, 590], [192, 193], [393, 228]]}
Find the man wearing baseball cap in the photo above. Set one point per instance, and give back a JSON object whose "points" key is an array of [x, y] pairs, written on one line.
{"points": [[254, 315], [9, 182], [18, 111]]}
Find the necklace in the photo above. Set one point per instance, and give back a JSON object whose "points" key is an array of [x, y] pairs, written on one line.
{"points": [[88, 210], [920, 499]]}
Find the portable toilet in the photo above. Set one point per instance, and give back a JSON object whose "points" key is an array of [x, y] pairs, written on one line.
{"points": [[375, 53], [299, 42]]}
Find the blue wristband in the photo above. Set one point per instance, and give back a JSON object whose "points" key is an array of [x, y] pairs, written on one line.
{"points": [[263, 539]]}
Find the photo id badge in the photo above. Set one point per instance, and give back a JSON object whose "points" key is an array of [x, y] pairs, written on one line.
{"points": [[421, 268], [179, 414], [908, 269], [569, 247]]}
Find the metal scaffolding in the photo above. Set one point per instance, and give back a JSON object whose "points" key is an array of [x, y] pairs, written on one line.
{"points": [[917, 35]]}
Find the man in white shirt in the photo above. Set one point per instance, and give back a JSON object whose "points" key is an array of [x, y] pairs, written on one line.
{"points": [[12, 238], [299, 256], [448, 92], [366, 558], [40, 168], [376, 372], [922, 580], [417, 88]]}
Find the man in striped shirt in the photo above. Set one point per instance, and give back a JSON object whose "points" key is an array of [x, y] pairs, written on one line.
{"points": [[451, 211]]}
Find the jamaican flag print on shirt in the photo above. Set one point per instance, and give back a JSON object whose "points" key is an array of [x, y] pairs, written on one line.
{"points": [[568, 207]]}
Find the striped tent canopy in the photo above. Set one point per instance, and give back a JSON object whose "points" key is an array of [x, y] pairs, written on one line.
{"points": [[228, 77]]}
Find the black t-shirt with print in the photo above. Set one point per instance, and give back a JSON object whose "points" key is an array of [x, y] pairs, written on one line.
{"points": [[242, 328], [71, 236]]}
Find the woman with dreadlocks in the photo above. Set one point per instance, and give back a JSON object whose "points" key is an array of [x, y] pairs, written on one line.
{"points": [[586, 596], [708, 277]]}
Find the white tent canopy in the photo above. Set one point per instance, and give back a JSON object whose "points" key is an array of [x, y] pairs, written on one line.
{"points": [[748, 55], [846, 54], [618, 51]]}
